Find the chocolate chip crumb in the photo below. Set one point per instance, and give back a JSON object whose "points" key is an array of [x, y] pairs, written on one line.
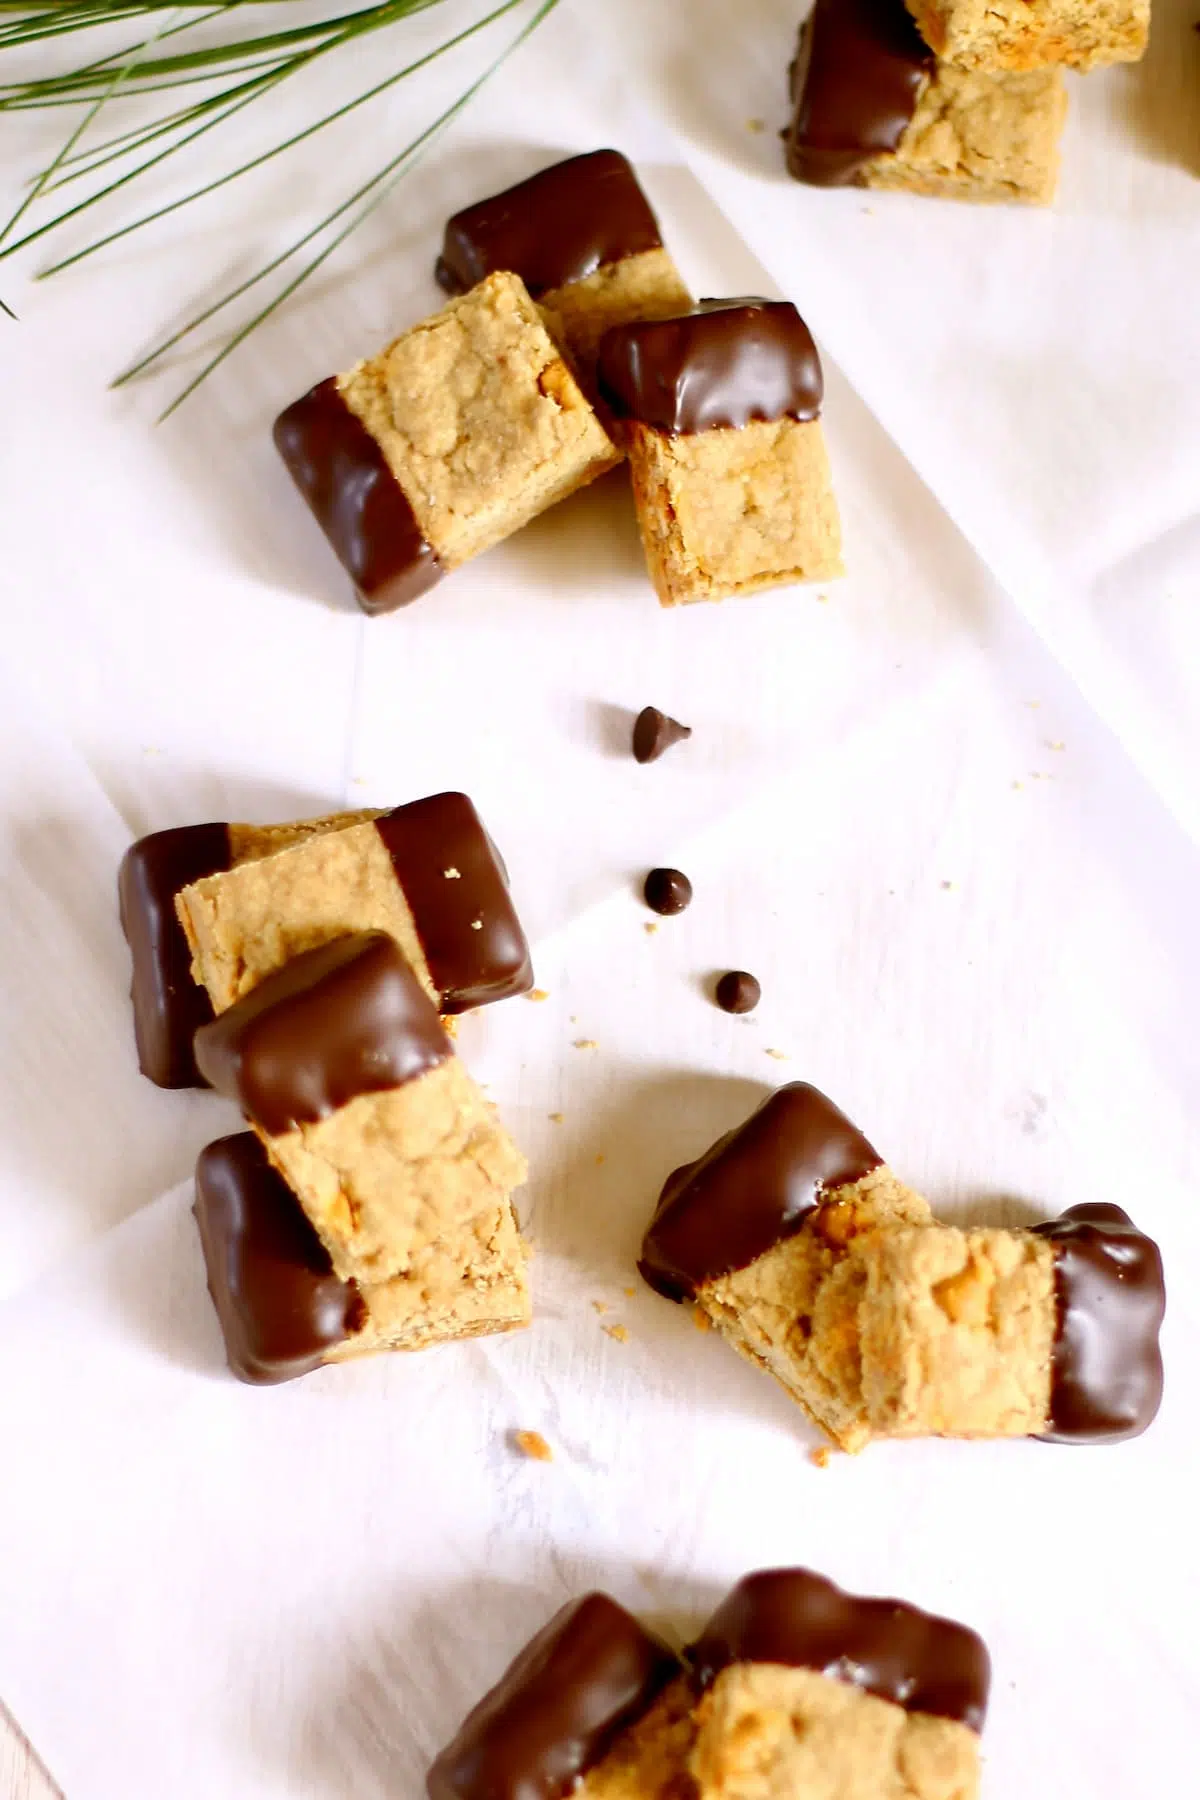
{"points": [[667, 891], [654, 732], [738, 992]]}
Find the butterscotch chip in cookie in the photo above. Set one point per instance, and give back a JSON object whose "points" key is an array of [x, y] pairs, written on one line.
{"points": [[341, 1064], [448, 441], [720, 411], [757, 1234], [1031, 34], [874, 106]]}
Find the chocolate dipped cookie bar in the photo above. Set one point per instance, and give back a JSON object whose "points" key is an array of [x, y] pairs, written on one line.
{"points": [[427, 873], [873, 105], [284, 1312], [756, 1235], [547, 1727], [583, 238], [341, 1064], [168, 1007], [720, 411], [1031, 34], [809, 1256], [793, 1688], [1049, 1333], [448, 441]]}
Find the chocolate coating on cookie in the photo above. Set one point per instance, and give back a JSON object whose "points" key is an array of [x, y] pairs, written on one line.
{"points": [[667, 891], [559, 226], [280, 1304], [346, 1019], [855, 83], [168, 1005], [585, 1678], [654, 732], [753, 1189], [457, 890], [1107, 1374], [722, 365], [918, 1661], [357, 501]]}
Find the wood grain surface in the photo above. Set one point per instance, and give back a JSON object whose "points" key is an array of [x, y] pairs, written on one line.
{"points": [[21, 1775]]}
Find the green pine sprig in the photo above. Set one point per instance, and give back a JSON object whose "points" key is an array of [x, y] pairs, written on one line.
{"points": [[234, 74]]}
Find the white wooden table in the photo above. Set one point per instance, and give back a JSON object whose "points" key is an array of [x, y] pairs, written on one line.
{"points": [[21, 1775]]}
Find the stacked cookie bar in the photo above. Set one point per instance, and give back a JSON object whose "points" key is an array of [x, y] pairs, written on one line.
{"points": [[797, 1242], [569, 343], [370, 1206], [947, 97], [792, 1688]]}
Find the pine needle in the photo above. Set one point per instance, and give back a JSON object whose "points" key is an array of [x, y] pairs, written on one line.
{"points": [[242, 70]]}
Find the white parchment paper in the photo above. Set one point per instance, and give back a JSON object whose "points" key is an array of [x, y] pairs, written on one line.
{"points": [[972, 915]]}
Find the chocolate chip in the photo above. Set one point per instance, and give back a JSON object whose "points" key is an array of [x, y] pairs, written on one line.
{"points": [[654, 732], [667, 891], [738, 992]]}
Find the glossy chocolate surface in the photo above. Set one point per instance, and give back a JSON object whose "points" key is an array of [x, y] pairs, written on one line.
{"points": [[667, 891], [1107, 1371], [346, 1019], [168, 1006], [587, 1676], [919, 1661], [855, 83], [722, 365], [457, 890], [753, 1189], [559, 226], [738, 991], [280, 1304], [654, 732], [356, 500]]}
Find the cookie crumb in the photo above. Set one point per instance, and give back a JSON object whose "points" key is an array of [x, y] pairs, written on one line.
{"points": [[629, 1292], [599, 1158], [947, 887], [537, 994], [779, 1055], [1055, 744], [452, 874], [822, 599], [1018, 784], [650, 928], [586, 1044], [476, 924], [533, 1445], [555, 1118], [821, 1457], [700, 1319], [600, 1306], [618, 1332], [756, 125]]}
